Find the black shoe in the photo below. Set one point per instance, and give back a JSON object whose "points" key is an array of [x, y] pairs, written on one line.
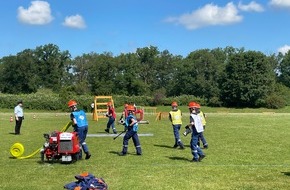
{"points": [[205, 146], [175, 146], [107, 130], [194, 160], [114, 131], [201, 157], [88, 155], [139, 154], [122, 154]]}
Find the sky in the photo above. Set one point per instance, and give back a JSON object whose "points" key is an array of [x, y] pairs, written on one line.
{"points": [[122, 26]]}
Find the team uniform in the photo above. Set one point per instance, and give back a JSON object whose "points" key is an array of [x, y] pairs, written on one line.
{"points": [[197, 129], [131, 125], [175, 116], [202, 138], [80, 125], [111, 114]]}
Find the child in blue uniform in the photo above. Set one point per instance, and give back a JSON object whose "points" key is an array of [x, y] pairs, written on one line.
{"points": [[197, 129], [131, 125], [80, 125]]}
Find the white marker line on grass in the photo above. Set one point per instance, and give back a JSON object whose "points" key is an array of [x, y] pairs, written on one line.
{"points": [[113, 135]]}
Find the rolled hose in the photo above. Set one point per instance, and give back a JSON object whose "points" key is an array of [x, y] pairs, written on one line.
{"points": [[17, 149]]}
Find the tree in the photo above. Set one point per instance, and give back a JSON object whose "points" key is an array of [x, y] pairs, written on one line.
{"points": [[52, 64], [248, 79], [18, 73], [284, 69]]}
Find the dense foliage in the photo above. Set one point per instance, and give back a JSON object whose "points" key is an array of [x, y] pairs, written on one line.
{"points": [[219, 77]]}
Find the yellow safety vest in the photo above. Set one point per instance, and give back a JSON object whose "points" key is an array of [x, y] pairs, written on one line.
{"points": [[202, 118], [176, 117]]}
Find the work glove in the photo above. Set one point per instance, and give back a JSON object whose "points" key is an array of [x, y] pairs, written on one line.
{"points": [[121, 121], [187, 130]]}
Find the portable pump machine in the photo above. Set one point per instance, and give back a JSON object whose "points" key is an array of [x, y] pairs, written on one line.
{"points": [[62, 146]]}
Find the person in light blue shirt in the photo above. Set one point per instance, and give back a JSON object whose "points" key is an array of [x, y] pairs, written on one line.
{"points": [[80, 125], [131, 126], [19, 117]]}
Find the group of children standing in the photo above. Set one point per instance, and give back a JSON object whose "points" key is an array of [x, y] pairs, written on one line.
{"points": [[196, 127]]}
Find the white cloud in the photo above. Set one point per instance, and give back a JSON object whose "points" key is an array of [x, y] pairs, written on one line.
{"points": [[252, 6], [208, 15], [75, 21], [280, 3], [284, 49], [37, 14]]}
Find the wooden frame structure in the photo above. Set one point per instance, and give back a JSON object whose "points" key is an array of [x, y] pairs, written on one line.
{"points": [[100, 106]]}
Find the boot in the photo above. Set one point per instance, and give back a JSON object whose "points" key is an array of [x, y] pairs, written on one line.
{"points": [[88, 155]]}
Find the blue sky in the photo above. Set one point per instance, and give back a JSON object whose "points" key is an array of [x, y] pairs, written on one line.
{"points": [[122, 26]]}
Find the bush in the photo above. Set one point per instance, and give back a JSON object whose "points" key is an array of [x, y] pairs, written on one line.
{"points": [[215, 102], [275, 102]]}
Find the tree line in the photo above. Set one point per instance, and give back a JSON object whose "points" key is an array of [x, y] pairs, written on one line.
{"points": [[231, 77]]}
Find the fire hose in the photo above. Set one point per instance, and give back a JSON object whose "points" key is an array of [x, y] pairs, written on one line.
{"points": [[17, 149]]}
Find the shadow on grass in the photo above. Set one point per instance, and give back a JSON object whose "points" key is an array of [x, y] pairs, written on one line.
{"points": [[286, 173], [164, 146], [114, 152], [177, 158], [118, 153]]}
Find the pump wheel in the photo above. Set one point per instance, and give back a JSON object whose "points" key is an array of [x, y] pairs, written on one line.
{"points": [[16, 150]]}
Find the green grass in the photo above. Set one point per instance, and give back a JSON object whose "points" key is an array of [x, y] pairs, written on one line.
{"points": [[247, 150]]}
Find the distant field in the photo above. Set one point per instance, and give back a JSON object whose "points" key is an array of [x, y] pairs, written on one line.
{"points": [[248, 149]]}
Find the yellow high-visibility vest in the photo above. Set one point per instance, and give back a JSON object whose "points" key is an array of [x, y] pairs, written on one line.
{"points": [[176, 117], [202, 118]]}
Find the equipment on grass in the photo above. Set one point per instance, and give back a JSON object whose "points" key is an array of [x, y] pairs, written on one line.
{"points": [[17, 149], [187, 130], [120, 134], [87, 181], [61, 145]]}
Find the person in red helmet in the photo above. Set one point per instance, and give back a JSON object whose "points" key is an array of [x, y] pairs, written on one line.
{"points": [[131, 126], [201, 138], [111, 114], [124, 114], [197, 129], [175, 117], [80, 125]]}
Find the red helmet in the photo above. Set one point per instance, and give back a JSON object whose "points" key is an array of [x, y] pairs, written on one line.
{"points": [[197, 105], [174, 104], [109, 103], [192, 105], [71, 103], [130, 108]]}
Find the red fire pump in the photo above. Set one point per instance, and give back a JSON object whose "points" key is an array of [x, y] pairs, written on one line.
{"points": [[63, 146]]}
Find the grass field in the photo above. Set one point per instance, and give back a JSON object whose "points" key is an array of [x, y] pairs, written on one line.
{"points": [[247, 150]]}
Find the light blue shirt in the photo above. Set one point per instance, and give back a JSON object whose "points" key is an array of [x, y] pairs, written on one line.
{"points": [[18, 111]]}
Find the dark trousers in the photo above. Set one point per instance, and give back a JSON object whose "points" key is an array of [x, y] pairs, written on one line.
{"points": [[82, 134], [135, 139], [176, 129], [111, 123], [195, 149], [18, 125]]}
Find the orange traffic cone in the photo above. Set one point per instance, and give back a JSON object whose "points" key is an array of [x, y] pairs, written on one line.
{"points": [[11, 119]]}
